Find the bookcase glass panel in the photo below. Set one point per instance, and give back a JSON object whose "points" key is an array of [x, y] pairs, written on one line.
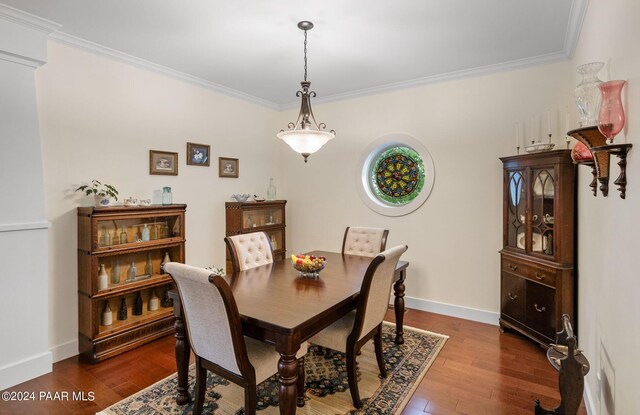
{"points": [[542, 205], [261, 217], [517, 210], [113, 232]]}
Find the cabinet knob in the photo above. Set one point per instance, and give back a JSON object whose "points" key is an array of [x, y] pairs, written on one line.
{"points": [[539, 310], [539, 277], [513, 267], [513, 297]]}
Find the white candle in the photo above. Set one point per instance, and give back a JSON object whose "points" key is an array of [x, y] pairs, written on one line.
{"points": [[533, 134], [548, 122], [517, 136], [566, 118]]}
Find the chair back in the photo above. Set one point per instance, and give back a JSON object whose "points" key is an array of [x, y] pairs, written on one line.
{"points": [[249, 250], [376, 289], [364, 241], [211, 317]]}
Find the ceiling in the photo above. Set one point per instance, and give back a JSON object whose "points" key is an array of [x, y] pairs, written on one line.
{"points": [[253, 49]]}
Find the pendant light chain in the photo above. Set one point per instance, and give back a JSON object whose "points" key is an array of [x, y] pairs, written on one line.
{"points": [[305, 55]]}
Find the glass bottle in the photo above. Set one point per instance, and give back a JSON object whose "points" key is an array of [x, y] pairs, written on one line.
{"points": [[611, 118], [274, 243], [123, 235], [103, 279], [587, 94], [154, 301], [166, 258], [132, 271], [271, 190], [148, 268], [104, 237], [115, 238], [115, 272], [137, 305], [154, 232], [165, 230], [122, 311], [166, 300], [145, 233], [107, 315], [167, 198]]}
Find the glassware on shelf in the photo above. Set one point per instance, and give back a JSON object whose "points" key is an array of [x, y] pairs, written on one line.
{"points": [[153, 235], [166, 258], [122, 311], [167, 197], [271, 190], [107, 315], [115, 238], [148, 268], [104, 239], [103, 278], [580, 153], [165, 231], [123, 235], [115, 272], [137, 305], [154, 301], [145, 233], [611, 118], [587, 95], [166, 300], [132, 271]]}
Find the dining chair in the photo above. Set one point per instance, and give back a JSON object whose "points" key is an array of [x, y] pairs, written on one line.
{"points": [[364, 241], [249, 250], [215, 334], [354, 330]]}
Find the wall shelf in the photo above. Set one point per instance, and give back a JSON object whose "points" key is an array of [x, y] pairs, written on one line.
{"points": [[600, 165]]}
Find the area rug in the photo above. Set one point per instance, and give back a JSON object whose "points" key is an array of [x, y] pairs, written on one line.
{"points": [[327, 388]]}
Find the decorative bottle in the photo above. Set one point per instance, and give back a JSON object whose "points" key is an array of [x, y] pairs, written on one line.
{"points": [[137, 305], [103, 278], [167, 197], [145, 233], [123, 235], [122, 311], [165, 230], [115, 272], [587, 94], [271, 190], [148, 268], [166, 301], [133, 271], [154, 232], [107, 315], [115, 238], [104, 239], [274, 243], [166, 258], [154, 301]]}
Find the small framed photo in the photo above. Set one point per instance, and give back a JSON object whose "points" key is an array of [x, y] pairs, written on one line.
{"points": [[198, 154], [228, 167], [163, 162]]}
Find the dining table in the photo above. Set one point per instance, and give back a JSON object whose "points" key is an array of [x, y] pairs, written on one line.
{"points": [[279, 306]]}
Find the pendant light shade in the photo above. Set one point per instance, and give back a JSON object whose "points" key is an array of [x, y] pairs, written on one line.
{"points": [[306, 136]]}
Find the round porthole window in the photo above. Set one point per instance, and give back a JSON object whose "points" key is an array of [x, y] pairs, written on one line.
{"points": [[395, 175]]}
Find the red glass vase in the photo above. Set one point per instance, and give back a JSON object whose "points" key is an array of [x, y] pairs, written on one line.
{"points": [[611, 118], [581, 153]]}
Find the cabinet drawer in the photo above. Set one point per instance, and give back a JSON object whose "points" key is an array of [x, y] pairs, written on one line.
{"points": [[512, 296], [540, 309], [533, 272]]}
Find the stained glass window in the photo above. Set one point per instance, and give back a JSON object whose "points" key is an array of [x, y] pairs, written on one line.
{"points": [[397, 175]]}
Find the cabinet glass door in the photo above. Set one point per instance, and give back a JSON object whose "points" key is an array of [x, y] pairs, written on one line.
{"points": [[257, 218], [120, 231], [517, 209], [542, 208]]}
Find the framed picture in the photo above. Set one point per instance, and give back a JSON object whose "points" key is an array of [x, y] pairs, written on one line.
{"points": [[228, 167], [163, 162], [198, 154]]}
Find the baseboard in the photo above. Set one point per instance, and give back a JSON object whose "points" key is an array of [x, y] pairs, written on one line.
{"points": [[24, 370], [589, 403], [64, 350], [467, 313]]}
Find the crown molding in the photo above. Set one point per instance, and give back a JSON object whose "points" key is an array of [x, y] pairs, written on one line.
{"points": [[96, 48], [29, 20], [576, 17], [466, 73]]}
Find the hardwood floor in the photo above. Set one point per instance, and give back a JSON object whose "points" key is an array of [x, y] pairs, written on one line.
{"points": [[479, 371]]}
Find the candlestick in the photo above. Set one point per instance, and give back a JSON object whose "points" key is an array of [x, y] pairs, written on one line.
{"points": [[549, 137]]}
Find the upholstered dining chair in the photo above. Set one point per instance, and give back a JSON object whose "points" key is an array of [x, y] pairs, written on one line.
{"points": [[352, 331], [249, 250], [364, 241], [215, 333]]}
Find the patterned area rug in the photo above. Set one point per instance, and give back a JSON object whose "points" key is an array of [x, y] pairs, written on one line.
{"points": [[326, 383]]}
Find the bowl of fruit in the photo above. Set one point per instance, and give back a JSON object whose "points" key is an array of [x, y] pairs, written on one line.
{"points": [[308, 265]]}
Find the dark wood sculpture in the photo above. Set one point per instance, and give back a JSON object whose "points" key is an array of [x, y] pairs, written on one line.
{"points": [[572, 366]]}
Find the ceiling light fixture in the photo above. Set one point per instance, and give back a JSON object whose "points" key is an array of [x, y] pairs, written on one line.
{"points": [[306, 136]]}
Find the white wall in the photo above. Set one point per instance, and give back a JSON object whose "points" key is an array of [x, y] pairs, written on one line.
{"points": [[609, 293], [99, 118], [24, 351], [454, 238]]}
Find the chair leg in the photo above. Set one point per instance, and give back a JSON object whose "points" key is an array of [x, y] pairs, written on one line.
{"points": [[351, 376], [300, 386], [250, 399], [200, 388], [377, 342]]}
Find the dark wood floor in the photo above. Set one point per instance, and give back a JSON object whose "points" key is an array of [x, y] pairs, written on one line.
{"points": [[479, 371]]}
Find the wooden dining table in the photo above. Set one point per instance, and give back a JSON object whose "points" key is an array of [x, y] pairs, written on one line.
{"points": [[279, 306]]}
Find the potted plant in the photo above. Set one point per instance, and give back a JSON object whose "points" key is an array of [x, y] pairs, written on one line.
{"points": [[102, 193]]}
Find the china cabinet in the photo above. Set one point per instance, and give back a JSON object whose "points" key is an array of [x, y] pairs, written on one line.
{"points": [[267, 216], [537, 259], [128, 244]]}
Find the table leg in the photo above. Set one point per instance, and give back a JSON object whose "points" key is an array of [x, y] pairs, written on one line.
{"points": [[398, 303], [287, 375], [182, 357]]}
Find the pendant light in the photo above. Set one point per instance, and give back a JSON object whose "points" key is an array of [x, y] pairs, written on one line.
{"points": [[306, 136]]}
